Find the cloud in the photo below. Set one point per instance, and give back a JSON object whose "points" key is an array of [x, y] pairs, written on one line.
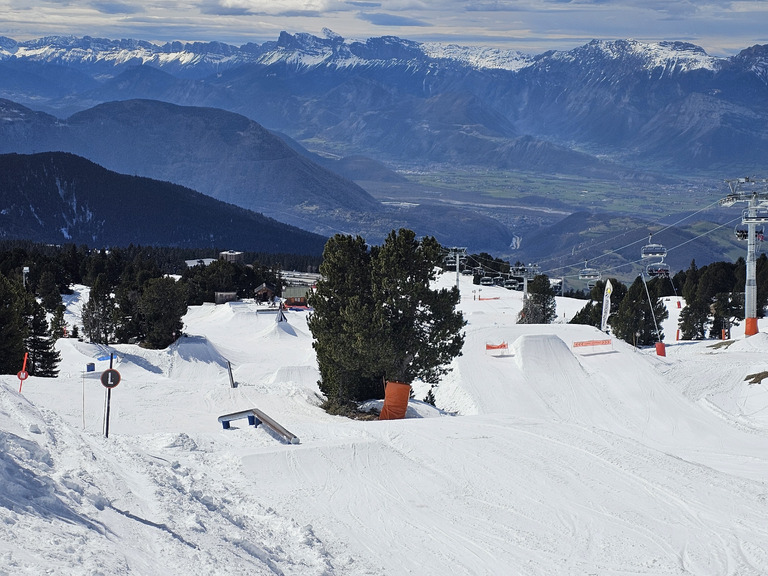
{"points": [[384, 19], [216, 8], [107, 7]]}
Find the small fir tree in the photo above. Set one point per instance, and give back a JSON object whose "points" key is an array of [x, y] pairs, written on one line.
{"points": [[375, 316], [694, 320], [635, 321], [540, 306], [43, 357], [99, 312], [340, 322], [162, 304], [48, 290], [58, 324]]}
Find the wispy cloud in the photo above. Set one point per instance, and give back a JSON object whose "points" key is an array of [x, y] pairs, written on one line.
{"points": [[116, 7], [384, 19]]}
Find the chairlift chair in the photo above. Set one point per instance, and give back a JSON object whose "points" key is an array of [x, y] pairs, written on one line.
{"points": [[591, 275], [742, 232], [652, 250], [755, 215], [659, 269]]}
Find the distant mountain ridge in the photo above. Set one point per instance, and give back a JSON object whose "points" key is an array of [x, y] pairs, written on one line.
{"points": [[668, 106], [59, 198], [235, 160], [221, 154], [616, 112]]}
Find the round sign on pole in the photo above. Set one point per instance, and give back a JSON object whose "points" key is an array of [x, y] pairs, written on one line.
{"points": [[110, 378], [23, 375]]}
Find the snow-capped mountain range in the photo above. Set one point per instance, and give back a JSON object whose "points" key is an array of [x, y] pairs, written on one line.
{"points": [[669, 104], [614, 111], [334, 51]]}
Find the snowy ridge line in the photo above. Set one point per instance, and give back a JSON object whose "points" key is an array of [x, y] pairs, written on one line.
{"points": [[309, 51]]}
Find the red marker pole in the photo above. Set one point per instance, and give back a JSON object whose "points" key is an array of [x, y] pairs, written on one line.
{"points": [[23, 375]]}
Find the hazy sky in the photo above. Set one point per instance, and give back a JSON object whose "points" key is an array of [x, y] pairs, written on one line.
{"points": [[722, 27]]}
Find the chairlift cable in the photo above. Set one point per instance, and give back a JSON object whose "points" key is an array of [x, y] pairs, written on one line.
{"points": [[633, 243]]}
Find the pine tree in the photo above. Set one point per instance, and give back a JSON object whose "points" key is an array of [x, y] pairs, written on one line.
{"points": [[691, 285], [48, 290], [635, 322], [375, 316], [417, 329], [726, 310], [694, 320], [58, 324], [43, 358], [342, 315], [162, 303], [592, 312], [590, 315], [99, 312], [13, 329], [540, 306]]}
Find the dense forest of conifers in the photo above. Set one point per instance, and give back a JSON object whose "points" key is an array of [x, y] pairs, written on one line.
{"points": [[132, 299]]}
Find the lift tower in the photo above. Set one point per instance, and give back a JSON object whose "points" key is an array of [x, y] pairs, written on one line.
{"points": [[753, 192]]}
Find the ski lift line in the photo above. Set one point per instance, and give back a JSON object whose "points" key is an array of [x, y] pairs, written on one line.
{"points": [[629, 245], [705, 208], [632, 262], [641, 260]]}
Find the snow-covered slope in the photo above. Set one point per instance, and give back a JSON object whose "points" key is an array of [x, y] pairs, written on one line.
{"points": [[545, 458]]}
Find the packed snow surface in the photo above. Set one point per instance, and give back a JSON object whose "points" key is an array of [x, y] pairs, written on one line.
{"points": [[542, 458]]}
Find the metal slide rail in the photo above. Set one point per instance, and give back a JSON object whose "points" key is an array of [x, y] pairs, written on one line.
{"points": [[256, 417]]}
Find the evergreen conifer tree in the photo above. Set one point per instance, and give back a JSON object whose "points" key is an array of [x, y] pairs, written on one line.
{"points": [[99, 312], [58, 324], [43, 357], [540, 306], [418, 329], [162, 303], [592, 312], [726, 310], [13, 329], [341, 323], [635, 322], [694, 320], [48, 290], [375, 316]]}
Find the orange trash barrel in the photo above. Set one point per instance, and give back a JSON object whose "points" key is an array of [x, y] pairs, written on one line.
{"points": [[396, 396]]}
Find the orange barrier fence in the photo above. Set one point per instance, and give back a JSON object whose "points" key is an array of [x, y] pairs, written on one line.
{"points": [[592, 343], [502, 346]]}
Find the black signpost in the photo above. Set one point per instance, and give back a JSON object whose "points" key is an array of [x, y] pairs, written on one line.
{"points": [[109, 378]]}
